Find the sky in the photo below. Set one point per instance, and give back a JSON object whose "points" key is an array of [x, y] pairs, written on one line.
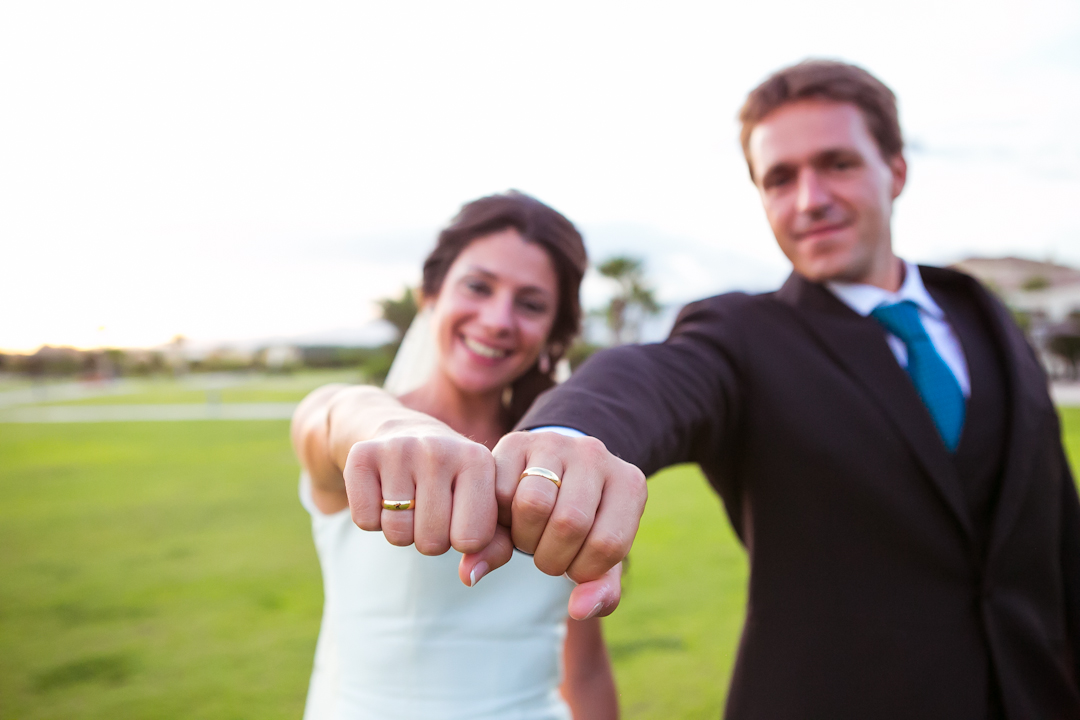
{"points": [[236, 172]]}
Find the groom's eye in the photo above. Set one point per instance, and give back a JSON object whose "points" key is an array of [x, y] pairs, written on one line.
{"points": [[533, 307], [478, 287]]}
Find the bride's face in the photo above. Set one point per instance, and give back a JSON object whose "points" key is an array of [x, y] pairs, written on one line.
{"points": [[495, 311]]}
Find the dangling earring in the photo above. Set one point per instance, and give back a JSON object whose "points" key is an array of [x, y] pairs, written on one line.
{"points": [[544, 364], [507, 396]]}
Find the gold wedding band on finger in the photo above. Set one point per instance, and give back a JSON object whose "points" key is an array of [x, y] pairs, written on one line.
{"points": [[541, 472], [397, 504]]}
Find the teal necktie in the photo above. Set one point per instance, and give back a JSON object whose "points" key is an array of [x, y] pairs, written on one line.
{"points": [[937, 386]]}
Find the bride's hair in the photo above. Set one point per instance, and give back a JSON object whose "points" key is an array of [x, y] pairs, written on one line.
{"points": [[537, 223]]}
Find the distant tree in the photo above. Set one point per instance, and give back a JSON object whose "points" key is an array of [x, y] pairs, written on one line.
{"points": [[399, 312], [1023, 321], [1035, 282], [1067, 347], [634, 300]]}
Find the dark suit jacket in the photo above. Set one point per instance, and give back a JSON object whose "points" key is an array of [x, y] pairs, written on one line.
{"points": [[877, 589]]}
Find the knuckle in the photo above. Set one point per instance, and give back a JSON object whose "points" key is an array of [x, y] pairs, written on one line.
{"points": [[592, 446], [531, 502], [570, 523], [475, 455], [549, 566], [610, 548], [407, 446], [469, 544], [361, 455], [432, 546], [400, 540], [362, 522]]}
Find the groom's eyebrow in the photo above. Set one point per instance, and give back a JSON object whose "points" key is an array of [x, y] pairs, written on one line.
{"points": [[482, 271]]}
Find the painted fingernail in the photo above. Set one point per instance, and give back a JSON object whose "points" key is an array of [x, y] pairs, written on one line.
{"points": [[479, 571], [592, 613]]}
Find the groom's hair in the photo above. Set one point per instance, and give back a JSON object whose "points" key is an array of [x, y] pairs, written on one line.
{"points": [[538, 224], [825, 80]]}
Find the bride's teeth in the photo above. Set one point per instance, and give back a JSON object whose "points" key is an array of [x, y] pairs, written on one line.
{"points": [[484, 350]]}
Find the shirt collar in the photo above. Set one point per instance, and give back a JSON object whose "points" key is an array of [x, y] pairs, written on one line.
{"points": [[864, 298]]}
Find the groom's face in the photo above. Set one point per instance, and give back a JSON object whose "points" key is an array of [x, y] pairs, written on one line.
{"points": [[827, 190]]}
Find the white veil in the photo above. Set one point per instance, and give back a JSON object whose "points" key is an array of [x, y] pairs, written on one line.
{"points": [[415, 358]]}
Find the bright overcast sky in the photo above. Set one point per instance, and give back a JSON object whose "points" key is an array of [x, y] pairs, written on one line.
{"points": [[235, 171]]}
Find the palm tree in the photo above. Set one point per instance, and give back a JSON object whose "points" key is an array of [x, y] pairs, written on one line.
{"points": [[634, 300], [399, 312]]}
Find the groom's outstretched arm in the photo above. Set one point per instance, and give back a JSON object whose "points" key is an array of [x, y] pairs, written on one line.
{"points": [[642, 408]]}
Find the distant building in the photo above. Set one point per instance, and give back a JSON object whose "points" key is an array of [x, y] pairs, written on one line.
{"points": [[1046, 297], [280, 357], [1010, 275]]}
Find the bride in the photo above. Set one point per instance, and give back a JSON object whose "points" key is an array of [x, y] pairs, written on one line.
{"points": [[401, 636]]}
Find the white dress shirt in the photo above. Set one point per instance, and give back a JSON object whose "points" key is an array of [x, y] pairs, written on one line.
{"points": [[863, 299]]}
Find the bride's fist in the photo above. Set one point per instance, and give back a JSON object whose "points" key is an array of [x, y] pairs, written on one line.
{"points": [[444, 485]]}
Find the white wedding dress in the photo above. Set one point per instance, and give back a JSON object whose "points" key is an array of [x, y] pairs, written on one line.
{"points": [[403, 639]]}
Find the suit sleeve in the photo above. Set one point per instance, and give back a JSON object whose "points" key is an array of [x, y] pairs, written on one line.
{"points": [[1070, 561], [657, 405]]}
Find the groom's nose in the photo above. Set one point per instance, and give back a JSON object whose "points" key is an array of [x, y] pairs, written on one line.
{"points": [[811, 194]]}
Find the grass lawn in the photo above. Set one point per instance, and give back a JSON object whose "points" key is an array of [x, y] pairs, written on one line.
{"points": [[165, 570]]}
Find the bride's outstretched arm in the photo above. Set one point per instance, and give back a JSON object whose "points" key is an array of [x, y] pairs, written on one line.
{"points": [[588, 685]]}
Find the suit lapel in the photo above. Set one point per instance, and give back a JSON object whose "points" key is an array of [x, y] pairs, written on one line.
{"points": [[858, 345], [1028, 403]]}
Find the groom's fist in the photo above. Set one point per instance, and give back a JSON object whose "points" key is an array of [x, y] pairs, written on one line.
{"points": [[585, 526]]}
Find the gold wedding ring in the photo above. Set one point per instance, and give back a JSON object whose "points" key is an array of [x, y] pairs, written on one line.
{"points": [[397, 504], [541, 472]]}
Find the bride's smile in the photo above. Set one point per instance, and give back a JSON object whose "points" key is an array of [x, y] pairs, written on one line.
{"points": [[494, 312]]}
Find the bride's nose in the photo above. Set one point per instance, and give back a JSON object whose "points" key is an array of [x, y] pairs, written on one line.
{"points": [[497, 314]]}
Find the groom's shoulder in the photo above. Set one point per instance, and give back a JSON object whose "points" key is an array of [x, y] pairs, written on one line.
{"points": [[729, 309]]}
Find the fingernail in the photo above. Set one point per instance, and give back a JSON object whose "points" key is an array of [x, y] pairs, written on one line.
{"points": [[479, 571], [592, 613]]}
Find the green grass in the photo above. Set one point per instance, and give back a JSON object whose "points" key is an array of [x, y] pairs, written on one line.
{"points": [[165, 570], [673, 638], [157, 570]]}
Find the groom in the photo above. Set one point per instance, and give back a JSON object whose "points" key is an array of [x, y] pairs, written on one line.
{"points": [[880, 433]]}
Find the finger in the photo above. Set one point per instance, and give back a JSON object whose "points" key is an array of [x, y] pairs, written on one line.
{"points": [[475, 513], [615, 524], [534, 501], [397, 483], [598, 597], [362, 487], [571, 520], [509, 455], [431, 516], [497, 553]]}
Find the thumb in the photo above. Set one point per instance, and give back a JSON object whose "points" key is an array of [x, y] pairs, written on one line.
{"points": [[597, 597], [498, 552]]}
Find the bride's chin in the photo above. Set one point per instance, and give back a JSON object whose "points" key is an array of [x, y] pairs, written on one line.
{"points": [[477, 386]]}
